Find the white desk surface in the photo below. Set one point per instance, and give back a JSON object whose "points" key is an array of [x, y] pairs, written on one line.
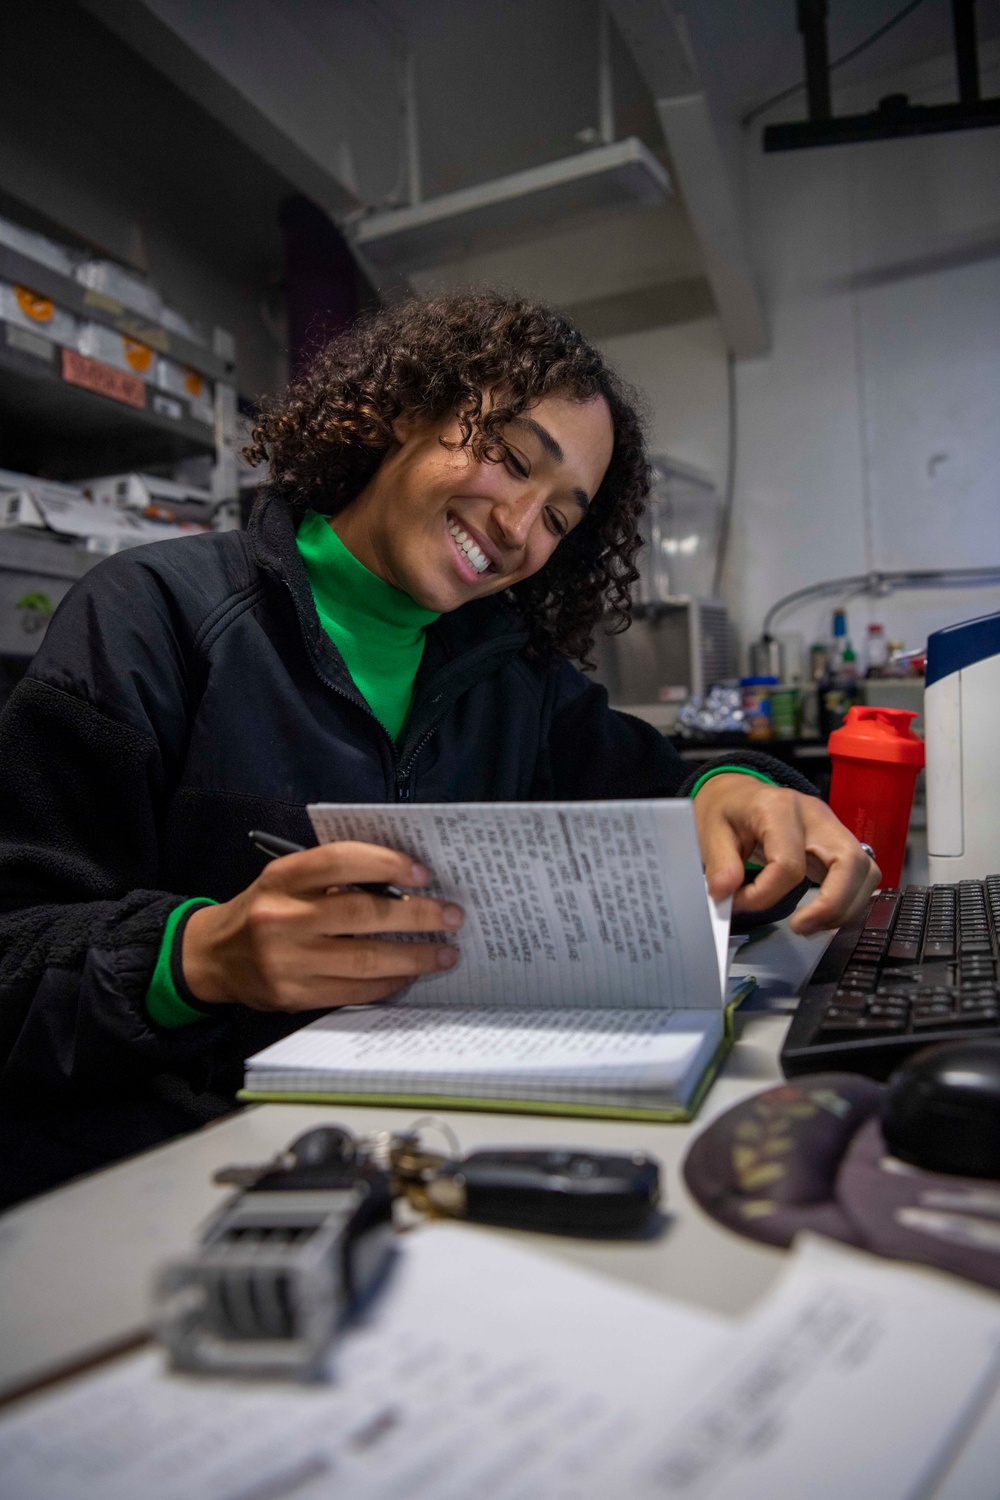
{"points": [[76, 1265]]}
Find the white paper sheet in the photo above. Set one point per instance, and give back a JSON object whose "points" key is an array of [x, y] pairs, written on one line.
{"points": [[858, 1379], [558, 1053], [567, 903], [487, 1370]]}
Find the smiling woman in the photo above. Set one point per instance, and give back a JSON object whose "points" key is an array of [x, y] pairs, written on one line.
{"points": [[492, 418], [454, 493]]}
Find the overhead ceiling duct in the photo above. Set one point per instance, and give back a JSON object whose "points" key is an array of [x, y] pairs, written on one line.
{"points": [[622, 175]]}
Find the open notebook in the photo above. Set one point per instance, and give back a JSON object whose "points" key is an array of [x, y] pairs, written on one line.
{"points": [[593, 971]]}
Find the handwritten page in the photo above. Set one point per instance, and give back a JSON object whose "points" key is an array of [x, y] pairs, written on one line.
{"points": [[575, 904], [523, 1053], [485, 1369]]}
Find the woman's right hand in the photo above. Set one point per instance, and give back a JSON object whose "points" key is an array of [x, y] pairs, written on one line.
{"points": [[296, 941]]}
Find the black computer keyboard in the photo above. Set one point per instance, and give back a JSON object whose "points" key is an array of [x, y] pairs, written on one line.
{"points": [[919, 967]]}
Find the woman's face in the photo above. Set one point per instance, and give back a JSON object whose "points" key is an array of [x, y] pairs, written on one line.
{"points": [[445, 528]]}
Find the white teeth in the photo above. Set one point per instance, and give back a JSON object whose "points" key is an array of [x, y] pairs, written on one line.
{"points": [[474, 554]]}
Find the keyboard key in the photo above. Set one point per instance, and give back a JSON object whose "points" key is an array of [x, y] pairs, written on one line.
{"points": [[883, 909], [850, 1000], [860, 1026], [932, 1008]]}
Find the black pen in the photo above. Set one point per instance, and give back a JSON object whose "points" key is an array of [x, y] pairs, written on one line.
{"points": [[274, 847]]}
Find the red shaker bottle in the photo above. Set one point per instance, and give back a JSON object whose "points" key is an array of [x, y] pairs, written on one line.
{"points": [[876, 757]]}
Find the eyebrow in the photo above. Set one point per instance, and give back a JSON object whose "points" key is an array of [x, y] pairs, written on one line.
{"points": [[555, 452]]}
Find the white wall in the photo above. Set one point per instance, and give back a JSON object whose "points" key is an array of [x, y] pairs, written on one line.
{"points": [[870, 436], [680, 372]]}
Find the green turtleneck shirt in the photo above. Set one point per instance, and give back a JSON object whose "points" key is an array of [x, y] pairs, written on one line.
{"points": [[379, 632]]}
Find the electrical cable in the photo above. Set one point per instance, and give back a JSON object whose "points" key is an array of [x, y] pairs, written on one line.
{"points": [[838, 62], [884, 583], [727, 499]]}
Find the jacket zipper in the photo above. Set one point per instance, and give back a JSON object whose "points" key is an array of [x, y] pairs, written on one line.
{"points": [[401, 773], [334, 687]]}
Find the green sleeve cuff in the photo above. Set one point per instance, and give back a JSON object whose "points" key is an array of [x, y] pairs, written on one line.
{"points": [[727, 770], [163, 1003]]}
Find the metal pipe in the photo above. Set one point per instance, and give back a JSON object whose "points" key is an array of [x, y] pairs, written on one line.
{"points": [[414, 186], [605, 85], [812, 24], [963, 16], [880, 583]]}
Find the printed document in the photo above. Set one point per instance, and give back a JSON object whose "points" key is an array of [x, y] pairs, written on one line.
{"points": [[488, 1370]]}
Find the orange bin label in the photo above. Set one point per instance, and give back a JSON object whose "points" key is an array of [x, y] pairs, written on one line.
{"points": [[39, 309], [139, 356]]}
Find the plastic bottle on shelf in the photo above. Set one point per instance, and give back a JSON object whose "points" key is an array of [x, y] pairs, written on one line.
{"points": [[838, 690], [839, 635], [878, 651], [819, 661], [848, 672]]}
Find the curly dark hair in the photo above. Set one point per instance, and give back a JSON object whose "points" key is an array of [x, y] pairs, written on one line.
{"points": [[485, 357]]}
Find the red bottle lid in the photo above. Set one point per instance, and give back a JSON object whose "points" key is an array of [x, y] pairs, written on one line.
{"points": [[878, 734]]}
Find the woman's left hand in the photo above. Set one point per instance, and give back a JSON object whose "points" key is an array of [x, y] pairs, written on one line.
{"points": [[739, 817]]}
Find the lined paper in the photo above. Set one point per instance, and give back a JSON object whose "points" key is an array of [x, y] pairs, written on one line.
{"points": [[577, 1055], [574, 904]]}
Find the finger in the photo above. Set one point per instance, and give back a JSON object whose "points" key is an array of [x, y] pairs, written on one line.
{"points": [[364, 958], [342, 864], [721, 855], [850, 880], [848, 876], [783, 841], [358, 912]]}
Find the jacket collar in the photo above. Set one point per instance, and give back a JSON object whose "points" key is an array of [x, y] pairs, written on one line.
{"points": [[459, 643]]}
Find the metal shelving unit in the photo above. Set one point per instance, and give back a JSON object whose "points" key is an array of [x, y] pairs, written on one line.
{"points": [[98, 307], [69, 416]]}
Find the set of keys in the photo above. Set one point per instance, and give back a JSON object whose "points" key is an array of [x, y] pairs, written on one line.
{"points": [[559, 1191], [310, 1233]]}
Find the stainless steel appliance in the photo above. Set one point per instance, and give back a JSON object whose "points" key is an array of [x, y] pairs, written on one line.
{"points": [[673, 649]]}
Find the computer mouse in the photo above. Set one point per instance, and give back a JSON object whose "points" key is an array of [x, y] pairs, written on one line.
{"points": [[941, 1109]]}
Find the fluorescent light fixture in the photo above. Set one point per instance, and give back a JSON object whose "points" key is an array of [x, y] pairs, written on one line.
{"points": [[625, 175]]}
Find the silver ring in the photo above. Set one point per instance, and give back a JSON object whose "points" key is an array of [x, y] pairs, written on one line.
{"points": [[870, 852]]}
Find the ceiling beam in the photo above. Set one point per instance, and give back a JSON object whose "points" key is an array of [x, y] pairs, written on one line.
{"points": [[707, 169], [217, 66]]}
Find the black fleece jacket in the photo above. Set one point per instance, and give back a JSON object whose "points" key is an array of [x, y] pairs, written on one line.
{"points": [[185, 693]]}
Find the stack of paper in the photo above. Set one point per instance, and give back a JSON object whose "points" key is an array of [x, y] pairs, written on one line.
{"points": [[486, 1370]]}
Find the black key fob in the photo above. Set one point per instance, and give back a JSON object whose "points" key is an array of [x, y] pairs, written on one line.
{"points": [[561, 1191]]}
